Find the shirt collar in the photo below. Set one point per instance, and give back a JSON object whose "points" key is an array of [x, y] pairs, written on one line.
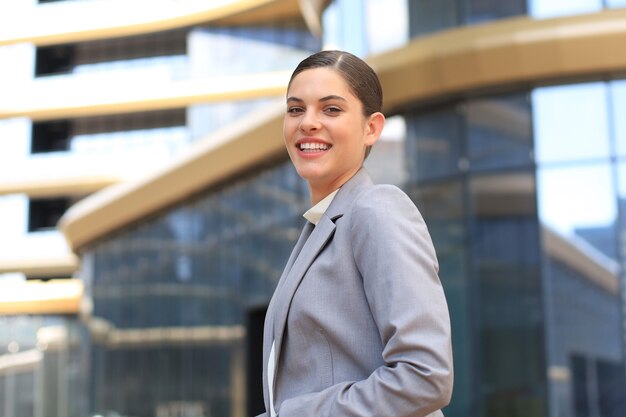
{"points": [[314, 214]]}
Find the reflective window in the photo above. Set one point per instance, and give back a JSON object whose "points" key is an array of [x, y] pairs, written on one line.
{"points": [[616, 3], [164, 51], [505, 265], [427, 16], [571, 123], [618, 100], [551, 8], [158, 131], [249, 49], [433, 144], [477, 11], [499, 133], [621, 184], [387, 24], [573, 198], [342, 30]]}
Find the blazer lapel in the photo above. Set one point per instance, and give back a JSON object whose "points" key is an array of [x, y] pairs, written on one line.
{"points": [[284, 294], [270, 317]]}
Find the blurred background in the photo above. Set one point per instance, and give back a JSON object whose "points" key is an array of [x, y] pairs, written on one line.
{"points": [[147, 205]]}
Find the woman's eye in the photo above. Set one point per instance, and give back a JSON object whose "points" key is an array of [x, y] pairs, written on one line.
{"points": [[333, 109], [294, 110]]}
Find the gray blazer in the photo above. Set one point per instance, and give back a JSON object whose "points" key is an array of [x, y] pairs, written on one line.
{"points": [[359, 317]]}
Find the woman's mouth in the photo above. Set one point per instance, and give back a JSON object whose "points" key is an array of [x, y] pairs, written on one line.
{"points": [[310, 147]]}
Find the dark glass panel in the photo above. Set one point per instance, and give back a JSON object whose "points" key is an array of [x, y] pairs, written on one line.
{"points": [[442, 206], [433, 144], [611, 388], [50, 136], [505, 263], [478, 11], [427, 16], [255, 318], [578, 366], [55, 59], [499, 132]]}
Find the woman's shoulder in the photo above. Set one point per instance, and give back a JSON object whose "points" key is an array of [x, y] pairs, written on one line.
{"points": [[382, 199], [381, 194]]}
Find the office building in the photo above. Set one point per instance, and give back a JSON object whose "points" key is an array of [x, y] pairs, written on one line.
{"points": [[147, 204]]}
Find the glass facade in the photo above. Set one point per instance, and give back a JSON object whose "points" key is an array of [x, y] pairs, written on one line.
{"points": [[471, 174], [524, 197], [177, 299]]}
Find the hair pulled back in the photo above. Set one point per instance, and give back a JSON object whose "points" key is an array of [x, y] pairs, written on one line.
{"points": [[360, 77]]}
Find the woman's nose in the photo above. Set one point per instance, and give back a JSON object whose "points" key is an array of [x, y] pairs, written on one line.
{"points": [[309, 122]]}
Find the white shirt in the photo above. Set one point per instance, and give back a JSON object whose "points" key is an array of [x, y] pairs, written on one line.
{"points": [[314, 214]]}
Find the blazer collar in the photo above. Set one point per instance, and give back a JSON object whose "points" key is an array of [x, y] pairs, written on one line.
{"points": [[348, 193]]}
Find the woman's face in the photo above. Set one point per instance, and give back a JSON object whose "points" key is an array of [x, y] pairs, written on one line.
{"points": [[325, 131]]}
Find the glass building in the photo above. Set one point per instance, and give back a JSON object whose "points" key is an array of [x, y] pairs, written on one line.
{"points": [[506, 127]]}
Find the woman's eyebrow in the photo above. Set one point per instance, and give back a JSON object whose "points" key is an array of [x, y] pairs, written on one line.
{"points": [[326, 98], [332, 97]]}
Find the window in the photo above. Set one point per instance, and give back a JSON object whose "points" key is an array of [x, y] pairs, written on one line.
{"points": [[43, 214], [477, 11], [427, 16], [63, 59], [571, 123], [106, 133], [50, 136], [56, 59], [552, 8]]}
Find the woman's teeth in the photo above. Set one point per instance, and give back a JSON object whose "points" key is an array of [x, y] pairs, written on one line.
{"points": [[313, 147]]}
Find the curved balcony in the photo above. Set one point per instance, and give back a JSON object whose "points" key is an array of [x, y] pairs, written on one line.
{"points": [[36, 297], [71, 22], [72, 98], [43, 254]]}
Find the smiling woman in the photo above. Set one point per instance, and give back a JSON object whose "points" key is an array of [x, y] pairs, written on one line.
{"points": [[363, 271]]}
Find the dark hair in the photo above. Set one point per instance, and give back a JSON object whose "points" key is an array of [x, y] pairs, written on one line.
{"points": [[359, 76]]}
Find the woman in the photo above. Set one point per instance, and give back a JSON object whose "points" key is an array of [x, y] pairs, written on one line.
{"points": [[358, 324]]}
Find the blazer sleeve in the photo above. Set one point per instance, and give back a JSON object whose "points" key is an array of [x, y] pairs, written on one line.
{"points": [[395, 256]]}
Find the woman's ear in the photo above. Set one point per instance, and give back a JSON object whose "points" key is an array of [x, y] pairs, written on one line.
{"points": [[374, 128]]}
